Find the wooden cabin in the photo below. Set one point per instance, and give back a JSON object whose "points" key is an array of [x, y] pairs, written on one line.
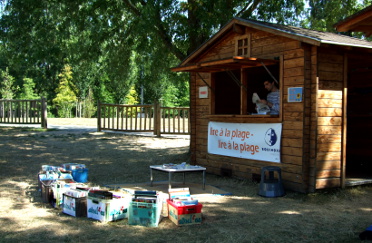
{"points": [[320, 138]]}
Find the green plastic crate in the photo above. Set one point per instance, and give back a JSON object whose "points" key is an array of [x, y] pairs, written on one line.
{"points": [[144, 214]]}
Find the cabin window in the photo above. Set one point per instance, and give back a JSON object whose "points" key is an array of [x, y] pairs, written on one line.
{"points": [[242, 45], [233, 89]]}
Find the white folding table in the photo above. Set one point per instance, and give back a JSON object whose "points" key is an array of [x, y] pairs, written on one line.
{"points": [[177, 169]]}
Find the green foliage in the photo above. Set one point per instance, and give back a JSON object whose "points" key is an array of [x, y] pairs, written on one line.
{"points": [[66, 93], [175, 96], [101, 92], [27, 91], [89, 105], [323, 14], [132, 97], [33, 46], [115, 45], [7, 88]]}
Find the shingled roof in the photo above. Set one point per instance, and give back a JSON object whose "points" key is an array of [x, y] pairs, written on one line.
{"points": [[318, 36], [312, 37]]}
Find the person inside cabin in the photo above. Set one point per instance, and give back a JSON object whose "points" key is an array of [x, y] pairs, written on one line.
{"points": [[273, 97]]}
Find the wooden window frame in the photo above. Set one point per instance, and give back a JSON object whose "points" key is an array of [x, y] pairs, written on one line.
{"points": [[244, 100], [245, 47]]}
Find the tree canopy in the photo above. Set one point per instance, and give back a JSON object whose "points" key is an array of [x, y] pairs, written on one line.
{"points": [[113, 46]]}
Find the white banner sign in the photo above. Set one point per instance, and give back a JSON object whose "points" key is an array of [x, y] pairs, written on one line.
{"points": [[258, 141]]}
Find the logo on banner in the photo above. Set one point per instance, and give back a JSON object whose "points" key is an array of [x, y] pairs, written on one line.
{"points": [[271, 137]]}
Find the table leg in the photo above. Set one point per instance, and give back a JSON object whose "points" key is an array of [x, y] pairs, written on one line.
{"points": [[184, 178], [170, 179], [151, 178], [203, 179]]}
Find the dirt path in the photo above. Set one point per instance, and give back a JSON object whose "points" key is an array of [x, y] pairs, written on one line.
{"points": [[89, 122]]}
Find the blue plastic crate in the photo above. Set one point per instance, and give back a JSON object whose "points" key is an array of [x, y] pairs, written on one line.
{"points": [[80, 175]]}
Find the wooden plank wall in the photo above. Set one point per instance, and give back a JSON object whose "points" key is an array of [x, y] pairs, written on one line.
{"points": [[264, 45], [329, 127]]}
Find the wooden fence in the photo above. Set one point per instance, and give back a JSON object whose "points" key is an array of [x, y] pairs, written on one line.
{"points": [[143, 118], [24, 112]]}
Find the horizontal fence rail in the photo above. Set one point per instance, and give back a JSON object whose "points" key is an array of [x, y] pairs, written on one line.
{"points": [[23, 112], [143, 118]]}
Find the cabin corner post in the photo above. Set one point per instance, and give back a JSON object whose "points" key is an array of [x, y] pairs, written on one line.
{"points": [[344, 123], [306, 117], [313, 120]]}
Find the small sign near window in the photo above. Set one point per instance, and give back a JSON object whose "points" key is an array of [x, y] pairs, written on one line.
{"points": [[295, 94], [203, 92]]}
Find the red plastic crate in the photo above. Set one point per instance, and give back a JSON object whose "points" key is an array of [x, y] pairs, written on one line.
{"points": [[184, 215], [187, 209]]}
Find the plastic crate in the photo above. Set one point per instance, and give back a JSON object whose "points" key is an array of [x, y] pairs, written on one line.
{"points": [[72, 166], [59, 187], [80, 175], [107, 209], [184, 215], [50, 168], [52, 176], [40, 176], [144, 214], [79, 171], [73, 206], [47, 192], [100, 194]]}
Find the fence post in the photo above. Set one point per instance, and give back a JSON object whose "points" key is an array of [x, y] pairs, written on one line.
{"points": [[2, 110], [157, 118], [98, 116], [44, 113]]}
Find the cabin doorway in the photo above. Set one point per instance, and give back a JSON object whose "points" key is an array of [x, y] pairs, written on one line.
{"points": [[358, 169]]}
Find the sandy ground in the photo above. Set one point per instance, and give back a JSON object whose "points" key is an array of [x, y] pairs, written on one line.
{"points": [[90, 122]]}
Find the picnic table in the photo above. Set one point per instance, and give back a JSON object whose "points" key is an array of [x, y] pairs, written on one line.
{"points": [[181, 168]]}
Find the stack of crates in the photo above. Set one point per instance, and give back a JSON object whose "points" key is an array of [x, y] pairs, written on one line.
{"points": [[49, 172], [145, 209], [48, 177]]}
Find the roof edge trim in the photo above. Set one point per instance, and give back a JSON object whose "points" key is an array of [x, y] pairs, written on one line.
{"points": [[279, 30], [344, 44]]}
